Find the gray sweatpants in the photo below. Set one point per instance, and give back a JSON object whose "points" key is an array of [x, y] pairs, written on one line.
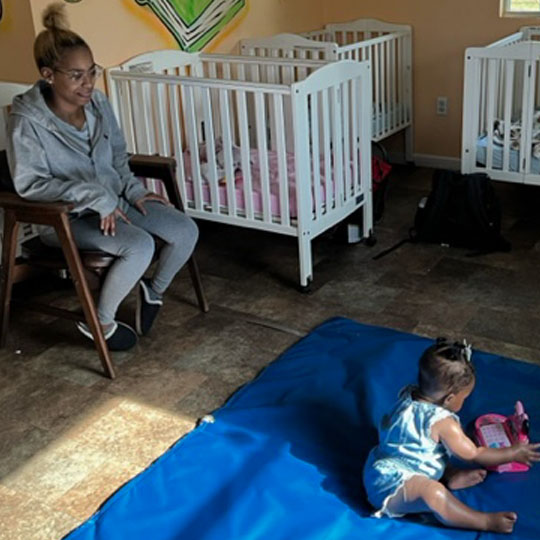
{"points": [[133, 247]]}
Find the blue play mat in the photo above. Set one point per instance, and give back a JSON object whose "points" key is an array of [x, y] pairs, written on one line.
{"points": [[283, 458]]}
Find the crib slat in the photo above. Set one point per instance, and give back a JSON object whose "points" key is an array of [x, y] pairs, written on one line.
{"points": [[162, 120], [243, 128], [384, 99], [490, 113], [327, 148], [390, 110], [177, 143], [138, 116], [281, 150], [407, 71], [366, 183], [376, 92], [404, 82], [400, 81], [149, 141], [260, 120], [355, 133], [214, 95], [483, 85], [346, 112], [527, 117], [210, 141], [508, 99], [224, 101], [241, 72], [126, 108], [337, 146], [192, 137], [316, 154]]}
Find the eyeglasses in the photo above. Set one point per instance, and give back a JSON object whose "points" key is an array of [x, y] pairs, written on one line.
{"points": [[77, 75]]}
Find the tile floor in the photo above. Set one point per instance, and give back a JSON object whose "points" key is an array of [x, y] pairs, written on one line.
{"points": [[69, 437]]}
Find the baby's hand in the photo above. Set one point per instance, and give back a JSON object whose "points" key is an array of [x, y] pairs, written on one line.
{"points": [[526, 453]]}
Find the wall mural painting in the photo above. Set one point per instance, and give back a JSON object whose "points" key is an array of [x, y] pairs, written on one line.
{"points": [[193, 23]]}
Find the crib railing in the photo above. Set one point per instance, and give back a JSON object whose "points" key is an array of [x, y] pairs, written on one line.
{"points": [[223, 67], [387, 46], [290, 46], [501, 97], [183, 116]]}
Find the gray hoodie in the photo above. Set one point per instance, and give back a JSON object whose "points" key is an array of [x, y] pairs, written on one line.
{"points": [[47, 164]]}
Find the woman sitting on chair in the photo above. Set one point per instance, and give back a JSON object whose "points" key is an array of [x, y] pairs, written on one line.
{"points": [[65, 144]]}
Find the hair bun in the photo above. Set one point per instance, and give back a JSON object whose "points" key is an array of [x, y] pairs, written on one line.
{"points": [[54, 17]]}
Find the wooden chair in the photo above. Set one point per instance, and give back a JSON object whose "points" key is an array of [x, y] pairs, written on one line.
{"points": [[85, 267]]}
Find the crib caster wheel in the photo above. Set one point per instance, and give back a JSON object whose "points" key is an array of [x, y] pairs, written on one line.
{"points": [[306, 289], [370, 241]]}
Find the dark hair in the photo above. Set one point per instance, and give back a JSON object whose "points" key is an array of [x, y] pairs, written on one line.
{"points": [[445, 368], [56, 39]]}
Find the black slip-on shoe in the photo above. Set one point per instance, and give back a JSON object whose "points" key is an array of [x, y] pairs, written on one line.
{"points": [[120, 337], [147, 308]]}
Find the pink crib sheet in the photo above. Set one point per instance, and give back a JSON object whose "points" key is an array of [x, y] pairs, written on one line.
{"points": [[275, 203]]}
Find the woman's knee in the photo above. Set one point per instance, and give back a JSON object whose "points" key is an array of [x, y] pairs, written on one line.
{"points": [[192, 233], [183, 234], [140, 246]]}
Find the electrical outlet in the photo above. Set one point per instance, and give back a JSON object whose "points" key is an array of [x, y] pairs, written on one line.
{"points": [[442, 105]]}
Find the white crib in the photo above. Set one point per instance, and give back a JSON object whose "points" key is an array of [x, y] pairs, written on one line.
{"points": [[268, 144], [8, 91], [501, 108], [388, 47]]}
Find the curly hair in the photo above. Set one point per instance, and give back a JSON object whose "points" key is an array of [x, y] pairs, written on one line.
{"points": [[56, 39], [445, 368]]}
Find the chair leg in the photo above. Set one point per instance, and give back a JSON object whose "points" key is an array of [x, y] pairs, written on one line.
{"points": [[197, 283], [83, 291], [9, 249]]}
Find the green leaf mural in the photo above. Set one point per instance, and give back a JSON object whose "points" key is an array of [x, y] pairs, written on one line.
{"points": [[193, 23]]}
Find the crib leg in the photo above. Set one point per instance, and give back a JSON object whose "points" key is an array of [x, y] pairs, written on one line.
{"points": [[409, 145], [306, 264], [367, 219]]}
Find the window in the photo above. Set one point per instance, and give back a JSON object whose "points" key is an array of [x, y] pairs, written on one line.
{"points": [[523, 8]]}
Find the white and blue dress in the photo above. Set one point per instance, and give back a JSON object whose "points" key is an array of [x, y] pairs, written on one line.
{"points": [[405, 449]]}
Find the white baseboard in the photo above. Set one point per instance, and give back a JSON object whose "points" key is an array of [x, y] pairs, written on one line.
{"points": [[428, 160]]}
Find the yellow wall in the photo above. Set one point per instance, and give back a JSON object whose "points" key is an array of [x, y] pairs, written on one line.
{"points": [[114, 29], [441, 32], [269, 17], [16, 40], [119, 29]]}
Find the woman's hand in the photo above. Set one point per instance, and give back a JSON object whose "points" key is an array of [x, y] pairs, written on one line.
{"points": [[526, 453], [150, 197], [108, 223]]}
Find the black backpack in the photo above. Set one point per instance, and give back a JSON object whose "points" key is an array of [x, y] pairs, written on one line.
{"points": [[462, 210]]}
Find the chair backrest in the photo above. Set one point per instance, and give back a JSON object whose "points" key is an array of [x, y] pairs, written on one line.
{"points": [[8, 91]]}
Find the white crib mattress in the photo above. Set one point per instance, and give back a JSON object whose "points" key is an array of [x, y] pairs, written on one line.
{"points": [[481, 157]]}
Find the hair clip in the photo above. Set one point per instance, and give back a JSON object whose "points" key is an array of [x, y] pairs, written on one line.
{"points": [[468, 350]]}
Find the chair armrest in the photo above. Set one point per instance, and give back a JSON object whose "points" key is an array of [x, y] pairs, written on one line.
{"points": [[161, 168], [12, 201]]}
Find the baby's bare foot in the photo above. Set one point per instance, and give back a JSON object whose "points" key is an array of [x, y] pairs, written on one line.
{"points": [[502, 522], [463, 478]]}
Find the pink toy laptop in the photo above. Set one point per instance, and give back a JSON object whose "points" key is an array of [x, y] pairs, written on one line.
{"points": [[498, 431]]}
